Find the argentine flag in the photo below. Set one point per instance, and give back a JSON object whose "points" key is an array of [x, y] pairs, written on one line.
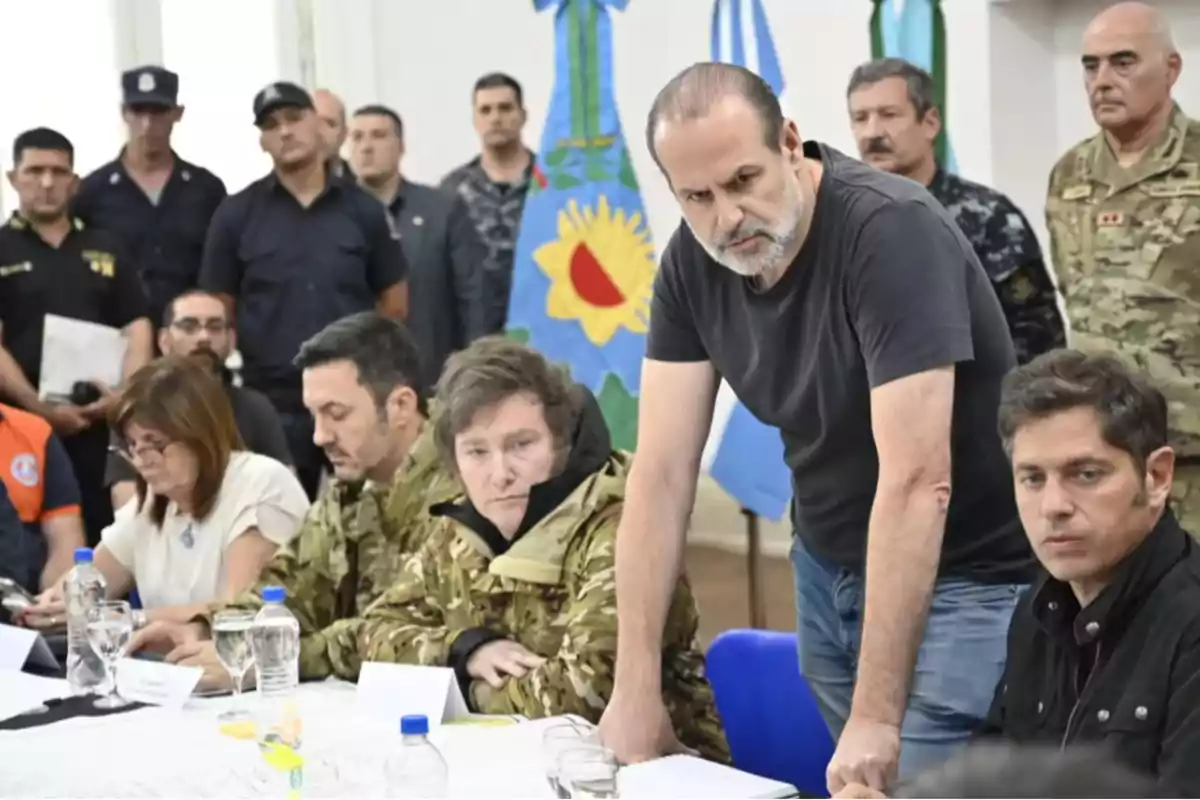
{"points": [[742, 454]]}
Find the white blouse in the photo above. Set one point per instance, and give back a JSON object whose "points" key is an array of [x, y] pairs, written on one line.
{"points": [[184, 562]]}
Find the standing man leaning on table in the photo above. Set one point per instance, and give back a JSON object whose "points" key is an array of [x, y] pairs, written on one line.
{"points": [[844, 306]]}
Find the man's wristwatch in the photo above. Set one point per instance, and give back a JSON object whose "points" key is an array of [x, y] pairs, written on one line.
{"points": [[139, 619]]}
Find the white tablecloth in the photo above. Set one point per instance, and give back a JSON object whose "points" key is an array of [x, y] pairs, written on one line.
{"points": [[157, 752]]}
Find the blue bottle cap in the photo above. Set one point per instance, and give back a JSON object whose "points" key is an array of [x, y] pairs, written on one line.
{"points": [[273, 594], [414, 725], [83, 555]]}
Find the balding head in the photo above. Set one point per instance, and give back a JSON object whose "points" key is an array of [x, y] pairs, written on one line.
{"points": [[735, 165], [695, 92], [332, 112], [1137, 20], [1130, 66]]}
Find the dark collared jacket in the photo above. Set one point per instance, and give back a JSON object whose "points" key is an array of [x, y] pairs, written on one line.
{"points": [[445, 272], [1123, 673]]}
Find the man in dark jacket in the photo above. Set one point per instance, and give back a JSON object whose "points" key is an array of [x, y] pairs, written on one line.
{"points": [[1105, 649], [445, 255]]}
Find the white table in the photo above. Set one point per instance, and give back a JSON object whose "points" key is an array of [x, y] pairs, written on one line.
{"points": [[157, 752]]}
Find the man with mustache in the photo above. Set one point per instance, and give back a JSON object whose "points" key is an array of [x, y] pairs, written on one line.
{"points": [[1123, 209], [896, 124], [197, 323], [842, 305]]}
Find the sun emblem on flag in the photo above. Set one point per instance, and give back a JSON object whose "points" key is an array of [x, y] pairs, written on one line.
{"points": [[601, 269]]}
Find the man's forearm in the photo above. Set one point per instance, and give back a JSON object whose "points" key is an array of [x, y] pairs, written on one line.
{"points": [[16, 387], [648, 555], [57, 563], [903, 549]]}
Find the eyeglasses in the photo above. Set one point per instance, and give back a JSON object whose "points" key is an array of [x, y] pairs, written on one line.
{"points": [[144, 453], [190, 326]]}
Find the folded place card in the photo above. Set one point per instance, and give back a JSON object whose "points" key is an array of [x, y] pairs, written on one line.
{"points": [[395, 690], [156, 682], [21, 645]]}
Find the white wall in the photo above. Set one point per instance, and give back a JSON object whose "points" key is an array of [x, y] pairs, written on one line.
{"points": [[62, 59], [386, 51], [58, 76]]}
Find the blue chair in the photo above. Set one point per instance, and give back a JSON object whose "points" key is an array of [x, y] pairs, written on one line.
{"points": [[770, 716]]}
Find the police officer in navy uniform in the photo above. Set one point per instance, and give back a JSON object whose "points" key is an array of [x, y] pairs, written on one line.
{"points": [[293, 252], [159, 204], [51, 263]]}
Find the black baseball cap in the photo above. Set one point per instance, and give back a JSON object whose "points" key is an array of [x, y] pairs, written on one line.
{"points": [[150, 86], [280, 94]]}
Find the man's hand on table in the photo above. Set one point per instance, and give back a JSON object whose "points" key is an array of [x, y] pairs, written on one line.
{"points": [[856, 791], [867, 754], [639, 731]]}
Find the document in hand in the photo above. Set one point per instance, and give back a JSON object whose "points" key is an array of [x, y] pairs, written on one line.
{"points": [[74, 350]]}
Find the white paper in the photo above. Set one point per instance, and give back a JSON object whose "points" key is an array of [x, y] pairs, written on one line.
{"points": [[155, 682], [73, 350], [396, 690], [684, 777], [15, 646]]}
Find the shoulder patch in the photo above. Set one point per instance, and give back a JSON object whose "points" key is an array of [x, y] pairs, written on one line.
{"points": [[24, 469]]}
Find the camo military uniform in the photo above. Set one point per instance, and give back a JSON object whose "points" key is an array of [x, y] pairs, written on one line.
{"points": [[1126, 249], [553, 592], [1009, 251], [354, 542]]}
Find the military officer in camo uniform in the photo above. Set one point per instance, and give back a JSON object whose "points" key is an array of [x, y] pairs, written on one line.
{"points": [[1123, 209], [895, 124]]}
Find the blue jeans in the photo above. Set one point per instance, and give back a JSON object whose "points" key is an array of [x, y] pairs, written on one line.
{"points": [[959, 664]]}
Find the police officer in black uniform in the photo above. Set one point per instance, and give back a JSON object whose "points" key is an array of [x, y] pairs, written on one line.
{"points": [[159, 204], [293, 252], [53, 264]]}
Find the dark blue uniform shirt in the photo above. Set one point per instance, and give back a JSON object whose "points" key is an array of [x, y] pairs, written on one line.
{"points": [[164, 238], [294, 270]]}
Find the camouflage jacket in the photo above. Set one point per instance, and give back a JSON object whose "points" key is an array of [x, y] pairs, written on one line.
{"points": [[354, 542], [1010, 254], [1126, 248], [554, 592]]}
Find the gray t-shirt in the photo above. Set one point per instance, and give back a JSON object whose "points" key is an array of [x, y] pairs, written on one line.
{"points": [[884, 287], [257, 422]]}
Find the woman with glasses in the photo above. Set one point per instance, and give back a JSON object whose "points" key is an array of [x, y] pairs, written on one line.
{"points": [[207, 515]]}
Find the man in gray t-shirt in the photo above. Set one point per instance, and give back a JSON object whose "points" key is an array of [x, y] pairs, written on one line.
{"points": [[843, 306], [197, 323]]}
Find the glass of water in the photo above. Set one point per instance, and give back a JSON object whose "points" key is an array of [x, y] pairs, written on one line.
{"points": [[588, 770], [557, 737], [231, 637], [109, 629]]}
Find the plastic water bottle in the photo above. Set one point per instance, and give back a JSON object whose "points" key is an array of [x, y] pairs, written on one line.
{"points": [[275, 641], [417, 769], [83, 588]]}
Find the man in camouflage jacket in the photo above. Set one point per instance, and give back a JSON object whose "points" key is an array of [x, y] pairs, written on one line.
{"points": [[553, 592], [1123, 209]]}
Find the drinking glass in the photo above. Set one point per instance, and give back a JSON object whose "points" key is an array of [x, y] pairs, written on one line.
{"points": [[588, 770], [231, 637], [556, 738], [109, 629]]}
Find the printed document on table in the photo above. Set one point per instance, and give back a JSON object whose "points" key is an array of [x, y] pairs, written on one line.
{"points": [[74, 350]]}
